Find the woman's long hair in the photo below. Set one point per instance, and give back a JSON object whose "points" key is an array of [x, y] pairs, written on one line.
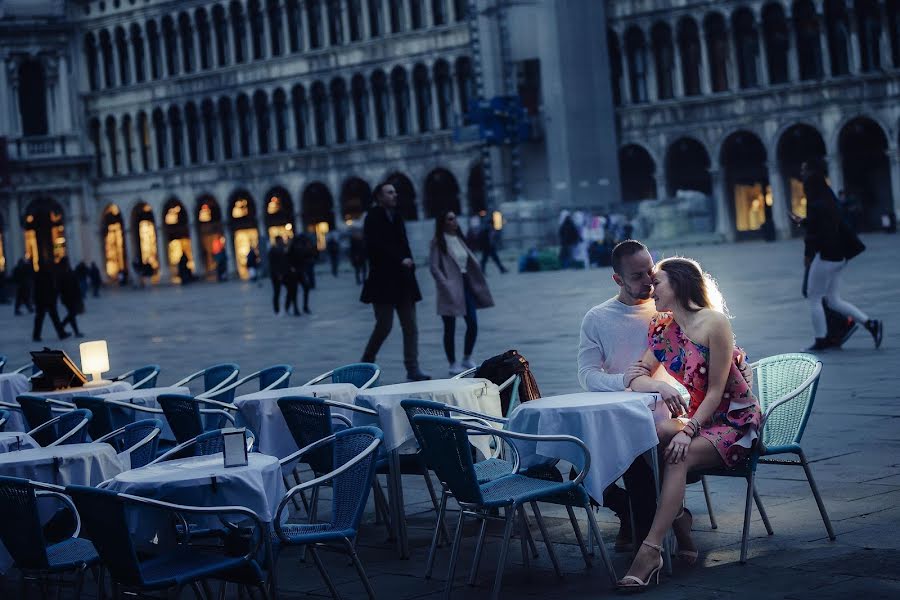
{"points": [[693, 287], [439, 230]]}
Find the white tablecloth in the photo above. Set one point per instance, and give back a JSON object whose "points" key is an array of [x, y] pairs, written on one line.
{"points": [[479, 395], [11, 441], [11, 385], [87, 389], [617, 427], [143, 397], [260, 413]]}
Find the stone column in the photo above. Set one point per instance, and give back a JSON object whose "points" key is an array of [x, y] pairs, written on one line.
{"points": [[285, 29], [162, 253], [179, 52], [763, 70], [732, 69], [894, 158], [854, 54], [6, 92], [51, 78], [428, 14], [266, 31], [793, 54], [406, 15], [345, 22], [781, 201], [196, 244], [678, 75], [117, 67], [722, 198], [650, 74], [385, 18], [230, 250], [435, 101], [835, 171], [370, 122], [304, 27], [884, 41], [230, 39], [823, 44], [365, 28], [662, 193], [705, 77]]}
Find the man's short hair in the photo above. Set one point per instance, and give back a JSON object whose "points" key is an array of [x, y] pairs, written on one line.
{"points": [[376, 193], [623, 249]]}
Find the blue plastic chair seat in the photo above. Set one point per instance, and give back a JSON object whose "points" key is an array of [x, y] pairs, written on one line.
{"points": [[187, 565], [520, 489], [314, 533], [71, 553], [491, 469]]}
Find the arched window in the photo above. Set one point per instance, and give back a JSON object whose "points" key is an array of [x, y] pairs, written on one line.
{"points": [[416, 15], [717, 50], [423, 97], [279, 214], [244, 229], [177, 236], [292, 14], [98, 147], [239, 31], [406, 196], [127, 144], [153, 50], [204, 39], [375, 18], [615, 65], [113, 232], [438, 12], [798, 144], [360, 106], [210, 126], [691, 55], [143, 133], [340, 109], [220, 24], [381, 98], [317, 211], [245, 124], [273, 8], [261, 108], [279, 102], [193, 132], [747, 47], [441, 193], [143, 227], [170, 41], [320, 112], [354, 20], [44, 227], [90, 59], [636, 172], [122, 52], [636, 52], [460, 9], [112, 145], [186, 31], [257, 37], [806, 28], [400, 88], [159, 128], [177, 137], [32, 98], [137, 52], [106, 51], [301, 110], [837, 26], [444, 88], [775, 34], [868, 22], [744, 162], [335, 26], [664, 59], [226, 118], [465, 82], [314, 23], [395, 10], [866, 167], [687, 167], [356, 197]]}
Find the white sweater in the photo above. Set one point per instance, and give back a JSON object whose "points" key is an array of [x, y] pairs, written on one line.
{"points": [[613, 337]]}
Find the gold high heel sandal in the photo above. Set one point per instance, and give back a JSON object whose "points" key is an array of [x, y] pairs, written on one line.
{"points": [[688, 557], [631, 584]]}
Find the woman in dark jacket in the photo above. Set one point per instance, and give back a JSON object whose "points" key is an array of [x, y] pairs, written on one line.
{"points": [[459, 285], [829, 244]]}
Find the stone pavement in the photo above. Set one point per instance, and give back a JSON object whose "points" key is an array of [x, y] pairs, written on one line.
{"points": [[853, 437]]}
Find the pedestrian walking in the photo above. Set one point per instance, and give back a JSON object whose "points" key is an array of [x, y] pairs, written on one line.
{"points": [[302, 257], [184, 270], [569, 238], [253, 264], [23, 277], [96, 281], [291, 283], [391, 284], [829, 245], [220, 256], [278, 266], [84, 274], [460, 288], [333, 247], [358, 255], [490, 240], [69, 294], [46, 294]]}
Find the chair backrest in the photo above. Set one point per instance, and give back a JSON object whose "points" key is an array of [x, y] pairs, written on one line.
{"points": [[148, 372], [136, 432], [102, 421], [445, 447], [216, 374], [104, 521], [183, 414], [271, 374], [2, 362], [20, 526], [4, 417], [414, 406], [777, 376], [69, 421], [309, 420], [351, 488], [36, 411], [357, 374]]}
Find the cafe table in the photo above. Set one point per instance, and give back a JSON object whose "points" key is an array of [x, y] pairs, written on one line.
{"points": [[11, 385], [473, 394], [13, 441], [17, 420], [135, 405], [259, 412]]}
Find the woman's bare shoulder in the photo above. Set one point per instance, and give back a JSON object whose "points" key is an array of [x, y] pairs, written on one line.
{"points": [[713, 324]]}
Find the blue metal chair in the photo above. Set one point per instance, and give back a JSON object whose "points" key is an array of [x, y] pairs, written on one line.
{"points": [[105, 515], [353, 458], [214, 378], [362, 375], [2, 362], [445, 444], [141, 378], [270, 378], [139, 440], [27, 367], [187, 418], [208, 442], [68, 428], [23, 536], [37, 410], [102, 422], [4, 417], [787, 386]]}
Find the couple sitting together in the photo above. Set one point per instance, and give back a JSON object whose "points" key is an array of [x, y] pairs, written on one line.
{"points": [[683, 337]]}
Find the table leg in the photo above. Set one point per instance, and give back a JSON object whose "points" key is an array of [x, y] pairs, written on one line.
{"points": [[654, 464], [398, 511]]}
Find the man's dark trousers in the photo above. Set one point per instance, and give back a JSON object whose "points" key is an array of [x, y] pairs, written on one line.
{"points": [[384, 320]]}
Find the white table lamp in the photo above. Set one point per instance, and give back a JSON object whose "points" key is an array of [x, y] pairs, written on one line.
{"points": [[94, 359]]}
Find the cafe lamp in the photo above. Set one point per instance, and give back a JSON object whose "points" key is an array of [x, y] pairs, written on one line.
{"points": [[94, 359]]}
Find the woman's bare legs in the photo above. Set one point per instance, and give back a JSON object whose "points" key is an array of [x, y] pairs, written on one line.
{"points": [[700, 454]]}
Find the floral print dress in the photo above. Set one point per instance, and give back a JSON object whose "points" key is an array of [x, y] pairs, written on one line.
{"points": [[734, 425]]}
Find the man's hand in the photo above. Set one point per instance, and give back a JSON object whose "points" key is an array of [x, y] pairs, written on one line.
{"points": [[407, 262], [634, 371], [672, 398]]}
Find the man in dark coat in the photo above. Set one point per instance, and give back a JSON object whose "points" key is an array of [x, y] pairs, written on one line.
{"points": [[278, 266], [69, 294], [391, 284], [23, 276], [45, 296]]}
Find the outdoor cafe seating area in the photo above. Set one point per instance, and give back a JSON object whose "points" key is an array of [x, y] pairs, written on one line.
{"points": [[136, 485]]}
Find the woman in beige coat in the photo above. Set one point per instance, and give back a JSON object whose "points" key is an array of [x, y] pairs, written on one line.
{"points": [[460, 287]]}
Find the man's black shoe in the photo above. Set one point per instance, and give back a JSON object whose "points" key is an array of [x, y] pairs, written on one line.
{"points": [[876, 328], [417, 375], [821, 344], [64, 335]]}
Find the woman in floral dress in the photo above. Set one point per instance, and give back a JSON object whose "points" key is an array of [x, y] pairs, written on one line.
{"points": [[692, 339]]}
